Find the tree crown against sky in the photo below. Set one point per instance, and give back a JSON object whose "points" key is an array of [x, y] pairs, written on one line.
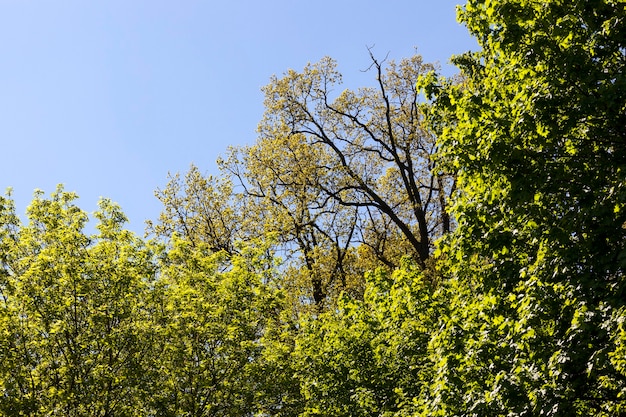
{"points": [[345, 181], [521, 311]]}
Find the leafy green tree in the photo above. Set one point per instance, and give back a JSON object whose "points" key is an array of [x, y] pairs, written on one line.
{"points": [[536, 266], [370, 357], [207, 230], [201, 209], [373, 141], [281, 177], [210, 325], [345, 182], [107, 325], [75, 332], [335, 171]]}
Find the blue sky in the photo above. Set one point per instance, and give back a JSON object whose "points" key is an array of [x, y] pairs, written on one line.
{"points": [[108, 96]]}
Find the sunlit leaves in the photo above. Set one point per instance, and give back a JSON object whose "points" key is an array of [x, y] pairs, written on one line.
{"points": [[74, 324], [209, 326], [201, 209], [369, 357], [535, 133], [107, 324], [369, 155]]}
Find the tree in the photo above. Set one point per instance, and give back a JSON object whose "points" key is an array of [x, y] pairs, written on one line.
{"points": [[536, 266], [200, 209], [109, 325], [74, 329], [333, 171], [374, 140], [370, 357], [281, 177], [210, 325]]}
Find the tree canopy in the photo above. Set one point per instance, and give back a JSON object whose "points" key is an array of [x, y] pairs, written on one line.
{"points": [[536, 137], [428, 246]]}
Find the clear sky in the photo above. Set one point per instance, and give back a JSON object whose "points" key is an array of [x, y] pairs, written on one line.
{"points": [[108, 96]]}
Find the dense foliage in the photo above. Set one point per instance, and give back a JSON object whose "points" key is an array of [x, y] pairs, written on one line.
{"points": [[516, 168], [536, 135], [108, 325]]}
